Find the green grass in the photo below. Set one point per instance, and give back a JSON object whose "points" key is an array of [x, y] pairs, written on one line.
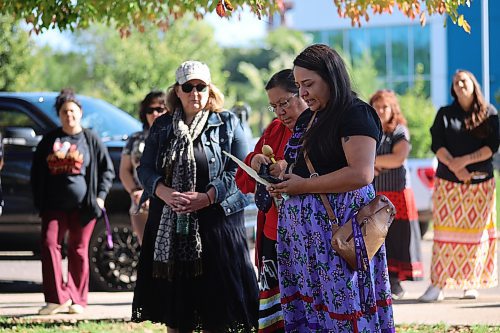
{"points": [[85, 326], [107, 326]]}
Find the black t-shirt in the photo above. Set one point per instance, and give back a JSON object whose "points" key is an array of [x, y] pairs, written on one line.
{"points": [[360, 119], [202, 172], [67, 164], [449, 131]]}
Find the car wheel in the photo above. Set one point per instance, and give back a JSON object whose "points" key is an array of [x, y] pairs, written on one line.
{"points": [[113, 269]]}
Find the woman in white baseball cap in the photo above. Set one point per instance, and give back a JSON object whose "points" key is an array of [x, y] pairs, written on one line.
{"points": [[195, 270]]}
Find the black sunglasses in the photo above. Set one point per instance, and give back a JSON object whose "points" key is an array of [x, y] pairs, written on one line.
{"points": [[159, 109], [188, 87]]}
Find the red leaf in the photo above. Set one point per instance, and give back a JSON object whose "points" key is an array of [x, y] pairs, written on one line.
{"points": [[221, 11]]}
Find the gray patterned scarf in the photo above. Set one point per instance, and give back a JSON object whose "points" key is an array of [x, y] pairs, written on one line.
{"points": [[177, 254]]}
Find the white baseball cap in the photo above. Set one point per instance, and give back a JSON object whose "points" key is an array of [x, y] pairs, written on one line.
{"points": [[191, 70]]}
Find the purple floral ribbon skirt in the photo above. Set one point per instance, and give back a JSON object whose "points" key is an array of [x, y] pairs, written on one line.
{"points": [[319, 291]]}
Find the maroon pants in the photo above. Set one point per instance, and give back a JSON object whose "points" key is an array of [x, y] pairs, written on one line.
{"points": [[55, 225]]}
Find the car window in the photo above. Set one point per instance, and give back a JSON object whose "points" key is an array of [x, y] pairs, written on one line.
{"points": [[107, 120], [11, 118]]}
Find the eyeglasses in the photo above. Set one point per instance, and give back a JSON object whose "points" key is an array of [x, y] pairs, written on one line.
{"points": [[158, 109], [188, 87], [282, 105]]}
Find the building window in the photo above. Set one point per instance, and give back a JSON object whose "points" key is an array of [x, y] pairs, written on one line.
{"points": [[378, 50], [396, 52]]}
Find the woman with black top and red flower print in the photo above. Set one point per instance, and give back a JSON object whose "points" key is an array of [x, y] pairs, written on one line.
{"points": [[71, 175]]}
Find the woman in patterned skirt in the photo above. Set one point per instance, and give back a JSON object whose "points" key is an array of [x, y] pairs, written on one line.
{"points": [[403, 240], [319, 291], [464, 138]]}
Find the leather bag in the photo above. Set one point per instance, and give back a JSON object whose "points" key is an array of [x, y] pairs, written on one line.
{"points": [[374, 220]]}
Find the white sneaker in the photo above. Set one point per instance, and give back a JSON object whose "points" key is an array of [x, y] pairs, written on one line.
{"points": [[76, 309], [470, 294], [432, 294], [53, 308]]}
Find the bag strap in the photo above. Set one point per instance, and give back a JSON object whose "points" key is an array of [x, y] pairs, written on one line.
{"points": [[324, 199], [109, 237], [310, 167]]}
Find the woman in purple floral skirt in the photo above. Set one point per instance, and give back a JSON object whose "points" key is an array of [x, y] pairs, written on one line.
{"points": [[320, 292]]}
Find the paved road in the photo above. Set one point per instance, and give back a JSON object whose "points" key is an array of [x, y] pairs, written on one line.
{"points": [[23, 298], [453, 310]]}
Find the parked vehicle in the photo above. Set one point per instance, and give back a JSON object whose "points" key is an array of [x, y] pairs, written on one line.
{"points": [[422, 172], [24, 119]]}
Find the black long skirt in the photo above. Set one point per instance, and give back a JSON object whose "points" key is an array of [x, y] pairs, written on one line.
{"points": [[223, 299]]}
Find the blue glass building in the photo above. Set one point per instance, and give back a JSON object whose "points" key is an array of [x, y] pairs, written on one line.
{"points": [[398, 44]]}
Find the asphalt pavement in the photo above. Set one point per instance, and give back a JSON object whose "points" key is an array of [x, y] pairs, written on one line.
{"points": [[453, 310]]}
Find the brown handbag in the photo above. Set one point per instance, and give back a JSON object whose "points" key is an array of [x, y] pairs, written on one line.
{"points": [[374, 220]]}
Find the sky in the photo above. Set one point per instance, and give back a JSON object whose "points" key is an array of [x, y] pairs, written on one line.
{"points": [[241, 31]]}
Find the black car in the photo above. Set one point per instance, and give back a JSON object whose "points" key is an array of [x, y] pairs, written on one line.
{"points": [[24, 119]]}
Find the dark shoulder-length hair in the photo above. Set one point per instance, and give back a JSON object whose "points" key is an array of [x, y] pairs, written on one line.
{"points": [[66, 95], [397, 116], [151, 98], [283, 79], [328, 64], [478, 113], [215, 99]]}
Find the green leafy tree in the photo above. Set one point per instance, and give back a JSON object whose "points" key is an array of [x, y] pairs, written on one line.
{"points": [[123, 71], [70, 14], [62, 69], [419, 112], [415, 105], [364, 77], [17, 63], [258, 56], [283, 44]]}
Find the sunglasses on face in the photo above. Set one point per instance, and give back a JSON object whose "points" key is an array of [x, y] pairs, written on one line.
{"points": [[158, 109], [188, 87]]}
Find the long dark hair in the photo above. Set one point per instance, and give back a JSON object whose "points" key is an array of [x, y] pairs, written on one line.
{"points": [[328, 64], [153, 96], [66, 95], [283, 79], [478, 114]]}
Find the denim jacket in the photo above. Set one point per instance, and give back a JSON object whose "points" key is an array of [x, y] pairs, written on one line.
{"points": [[223, 132]]}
